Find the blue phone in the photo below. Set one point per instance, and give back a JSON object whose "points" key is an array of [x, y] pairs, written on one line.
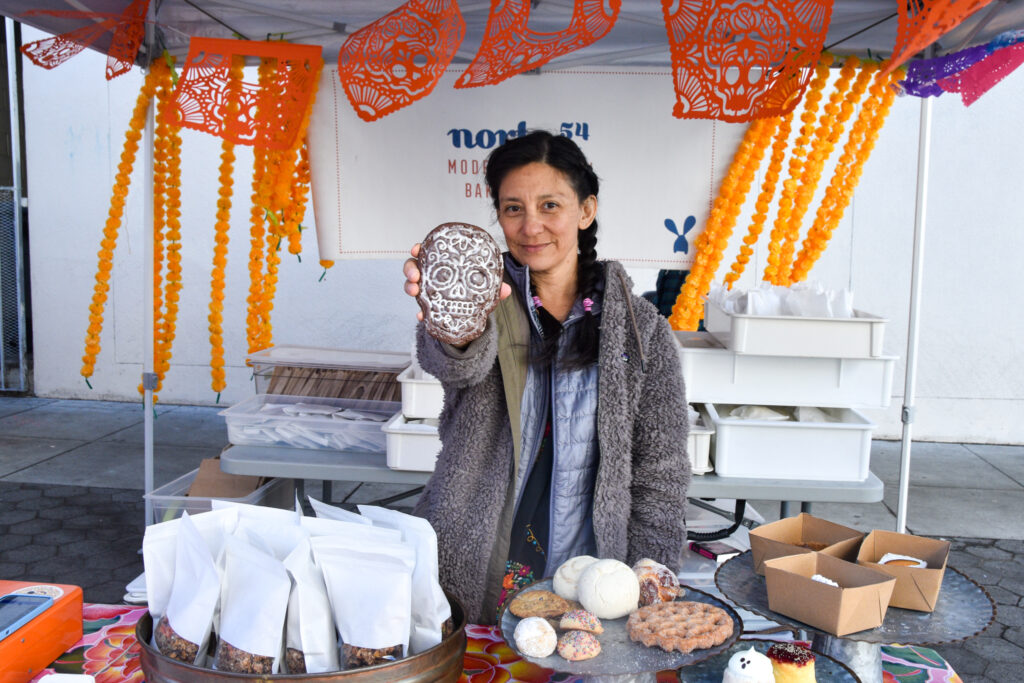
{"points": [[16, 610]]}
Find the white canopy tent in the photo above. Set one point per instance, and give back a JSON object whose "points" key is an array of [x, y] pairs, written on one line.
{"points": [[863, 27]]}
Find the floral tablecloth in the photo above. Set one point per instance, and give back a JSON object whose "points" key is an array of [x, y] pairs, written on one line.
{"points": [[109, 653]]}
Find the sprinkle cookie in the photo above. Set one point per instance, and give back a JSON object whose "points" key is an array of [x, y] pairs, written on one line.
{"points": [[578, 645], [683, 626], [580, 620]]}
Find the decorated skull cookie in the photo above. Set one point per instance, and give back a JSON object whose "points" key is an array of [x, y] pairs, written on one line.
{"points": [[460, 279]]}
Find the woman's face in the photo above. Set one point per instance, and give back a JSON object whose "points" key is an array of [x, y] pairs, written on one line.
{"points": [[541, 217]]}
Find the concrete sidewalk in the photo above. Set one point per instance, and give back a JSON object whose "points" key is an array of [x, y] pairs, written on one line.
{"points": [[71, 510]]}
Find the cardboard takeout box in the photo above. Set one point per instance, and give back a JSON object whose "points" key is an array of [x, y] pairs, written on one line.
{"points": [[785, 537], [859, 603], [917, 588]]}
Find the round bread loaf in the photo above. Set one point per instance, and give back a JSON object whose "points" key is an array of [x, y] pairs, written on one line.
{"points": [[460, 281], [535, 637], [567, 576], [609, 589]]}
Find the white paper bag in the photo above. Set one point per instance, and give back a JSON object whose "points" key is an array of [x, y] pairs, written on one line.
{"points": [[326, 511], [254, 601], [184, 631], [366, 534], [159, 548], [430, 609], [371, 598], [310, 636]]}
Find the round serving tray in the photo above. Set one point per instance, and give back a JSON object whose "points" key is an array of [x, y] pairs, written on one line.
{"points": [[443, 662], [963, 609], [620, 655], [711, 670]]}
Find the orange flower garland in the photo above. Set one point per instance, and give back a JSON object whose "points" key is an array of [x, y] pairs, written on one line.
{"points": [[119, 192], [771, 179], [830, 128], [688, 309], [784, 237], [172, 285], [221, 238], [858, 148], [257, 317]]}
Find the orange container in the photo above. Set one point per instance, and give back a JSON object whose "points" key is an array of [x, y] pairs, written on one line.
{"points": [[32, 648]]}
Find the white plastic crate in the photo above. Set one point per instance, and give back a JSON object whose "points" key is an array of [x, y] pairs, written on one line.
{"points": [[857, 337], [422, 394], [264, 420], [698, 444], [171, 499], [717, 375], [412, 446], [769, 449]]}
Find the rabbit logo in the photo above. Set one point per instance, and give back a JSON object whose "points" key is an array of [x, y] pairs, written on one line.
{"points": [[681, 243]]}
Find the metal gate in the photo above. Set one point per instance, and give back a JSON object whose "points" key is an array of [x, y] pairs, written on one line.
{"points": [[13, 336]]}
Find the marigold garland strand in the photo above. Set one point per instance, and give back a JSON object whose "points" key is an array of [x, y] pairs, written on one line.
{"points": [[259, 243], [784, 238], [829, 128], [172, 284], [688, 309], [764, 199], [221, 237], [858, 149], [119, 193]]}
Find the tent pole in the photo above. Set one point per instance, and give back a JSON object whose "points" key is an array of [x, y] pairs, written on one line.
{"points": [[148, 378], [917, 271]]}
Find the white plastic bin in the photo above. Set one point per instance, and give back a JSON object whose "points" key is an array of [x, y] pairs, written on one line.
{"points": [[857, 337], [768, 449], [717, 375], [171, 499], [263, 420], [412, 446], [422, 394], [698, 444]]}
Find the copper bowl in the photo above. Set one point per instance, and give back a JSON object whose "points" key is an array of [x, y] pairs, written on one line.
{"points": [[443, 662]]}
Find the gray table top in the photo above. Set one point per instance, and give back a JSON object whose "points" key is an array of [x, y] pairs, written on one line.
{"points": [[331, 465]]}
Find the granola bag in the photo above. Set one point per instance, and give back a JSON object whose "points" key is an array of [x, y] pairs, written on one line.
{"points": [[159, 550], [311, 644], [371, 599], [184, 631], [430, 609], [254, 601]]}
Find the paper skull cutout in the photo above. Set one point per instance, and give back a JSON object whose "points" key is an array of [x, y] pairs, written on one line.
{"points": [[460, 280]]}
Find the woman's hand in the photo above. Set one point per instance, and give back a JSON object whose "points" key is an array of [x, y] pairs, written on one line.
{"points": [[412, 275], [412, 278]]}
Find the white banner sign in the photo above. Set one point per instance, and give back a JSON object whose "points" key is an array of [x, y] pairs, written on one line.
{"points": [[379, 187]]}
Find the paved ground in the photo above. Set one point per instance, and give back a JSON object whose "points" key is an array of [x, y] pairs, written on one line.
{"points": [[71, 509]]}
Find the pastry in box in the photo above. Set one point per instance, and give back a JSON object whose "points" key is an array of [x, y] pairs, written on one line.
{"points": [[830, 594], [918, 563], [802, 534]]}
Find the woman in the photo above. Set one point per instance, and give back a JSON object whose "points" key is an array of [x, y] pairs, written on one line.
{"points": [[564, 425]]}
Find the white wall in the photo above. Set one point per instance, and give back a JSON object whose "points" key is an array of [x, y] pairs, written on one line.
{"points": [[971, 371]]}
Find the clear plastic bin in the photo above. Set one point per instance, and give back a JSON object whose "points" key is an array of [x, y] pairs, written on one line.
{"points": [[329, 373], [272, 420], [171, 499]]}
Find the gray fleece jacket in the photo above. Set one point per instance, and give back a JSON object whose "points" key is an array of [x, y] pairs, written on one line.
{"points": [[643, 473]]}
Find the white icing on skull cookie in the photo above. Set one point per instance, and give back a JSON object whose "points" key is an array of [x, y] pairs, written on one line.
{"points": [[460, 279]]}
